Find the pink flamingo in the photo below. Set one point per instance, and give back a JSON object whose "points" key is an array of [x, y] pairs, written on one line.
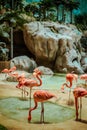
{"points": [[69, 77], [40, 96], [31, 82], [84, 77], [79, 93], [20, 79], [9, 71]]}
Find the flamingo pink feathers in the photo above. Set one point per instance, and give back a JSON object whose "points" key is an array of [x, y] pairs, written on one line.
{"points": [[79, 93], [40, 96], [9, 71]]}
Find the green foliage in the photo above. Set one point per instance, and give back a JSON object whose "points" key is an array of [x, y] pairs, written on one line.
{"points": [[4, 31], [31, 7], [46, 5], [12, 4], [10, 19], [13, 18]]}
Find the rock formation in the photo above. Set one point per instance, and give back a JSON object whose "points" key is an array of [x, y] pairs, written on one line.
{"points": [[23, 63], [55, 45]]}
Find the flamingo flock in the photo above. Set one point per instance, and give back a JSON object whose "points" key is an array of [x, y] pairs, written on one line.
{"points": [[30, 83], [42, 95], [78, 92]]}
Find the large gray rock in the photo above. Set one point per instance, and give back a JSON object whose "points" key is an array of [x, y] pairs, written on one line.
{"points": [[45, 70], [84, 63], [23, 63], [54, 45]]}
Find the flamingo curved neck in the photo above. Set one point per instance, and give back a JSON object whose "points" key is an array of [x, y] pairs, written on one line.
{"points": [[40, 81], [68, 86]]}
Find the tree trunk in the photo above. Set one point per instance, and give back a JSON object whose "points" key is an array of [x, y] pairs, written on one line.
{"points": [[63, 16], [71, 15], [57, 14], [11, 42]]}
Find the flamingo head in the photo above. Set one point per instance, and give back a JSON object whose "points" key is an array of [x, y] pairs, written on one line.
{"points": [[37, 72]]}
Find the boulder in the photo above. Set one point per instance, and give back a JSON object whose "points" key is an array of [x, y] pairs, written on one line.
{"points": [[23, 63], [45, 70], [84, 63], [54, 45]]}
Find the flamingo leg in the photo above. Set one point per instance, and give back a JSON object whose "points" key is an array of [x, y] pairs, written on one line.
{"points": [[69, 95], [80, 107], [42, 113], [30, 98], [76, 105], [5, 75], [22, 91], [85, 83]]}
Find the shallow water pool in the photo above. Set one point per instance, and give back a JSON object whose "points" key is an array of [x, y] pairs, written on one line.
{"points": [[18, 109]]}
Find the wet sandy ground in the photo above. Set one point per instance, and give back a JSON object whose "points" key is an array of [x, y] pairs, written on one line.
{"points": [[7, 89]]}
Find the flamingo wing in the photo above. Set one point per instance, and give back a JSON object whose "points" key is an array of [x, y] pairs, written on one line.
{"points": [[41, 96]]}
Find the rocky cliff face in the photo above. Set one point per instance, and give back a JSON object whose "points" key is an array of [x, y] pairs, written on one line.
{"points": [[55, 45]]}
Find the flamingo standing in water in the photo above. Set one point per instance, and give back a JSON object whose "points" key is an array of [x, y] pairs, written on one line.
{"points": [[9, 71], [20, 79], [69, 77], [31, 82], [79, 93], [40, 96]]}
